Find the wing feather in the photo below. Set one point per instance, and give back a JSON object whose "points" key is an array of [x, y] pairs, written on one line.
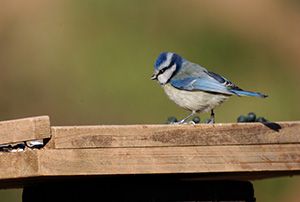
{"points": [[193, 77], [200, 84]]}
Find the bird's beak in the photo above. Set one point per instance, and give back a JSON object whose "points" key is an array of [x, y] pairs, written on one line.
{"points": [[154, 76]]}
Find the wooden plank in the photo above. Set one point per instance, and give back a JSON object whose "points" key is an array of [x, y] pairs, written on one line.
{"points": [[24, 129], [219, 151], [162, 160], [192, 163], [18, 164], [67, 137]]}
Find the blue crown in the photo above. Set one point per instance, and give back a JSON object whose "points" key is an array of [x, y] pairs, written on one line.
{"points": [[161, 58], [176, 59]]}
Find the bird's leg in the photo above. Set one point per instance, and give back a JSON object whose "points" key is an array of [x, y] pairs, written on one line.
{"points": [[186, 118], [212, 117]]}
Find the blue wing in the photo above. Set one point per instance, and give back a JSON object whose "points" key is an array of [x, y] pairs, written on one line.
{"points": [[193, 77], [212, 83], [200, 84], [233, 88], [248, 93]]}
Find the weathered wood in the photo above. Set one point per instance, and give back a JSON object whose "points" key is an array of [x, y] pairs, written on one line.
{"points": [[24, 129], [18, 164], [207, 162], [196, 159], [220, 151], [173, 135]]}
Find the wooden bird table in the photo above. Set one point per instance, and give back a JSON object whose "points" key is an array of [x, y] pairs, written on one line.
{"points": [[145, 162]]}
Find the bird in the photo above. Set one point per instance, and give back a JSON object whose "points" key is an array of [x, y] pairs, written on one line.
{"points": [[193, 87]]}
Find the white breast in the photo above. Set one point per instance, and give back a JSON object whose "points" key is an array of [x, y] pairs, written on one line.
{"points": [[198, 101]]}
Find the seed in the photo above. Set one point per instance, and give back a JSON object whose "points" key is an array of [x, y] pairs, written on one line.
{"points": [[251, 117], [242, 119]]}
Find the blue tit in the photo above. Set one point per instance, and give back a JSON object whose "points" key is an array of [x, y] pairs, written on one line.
{"points": [[193, 87]]}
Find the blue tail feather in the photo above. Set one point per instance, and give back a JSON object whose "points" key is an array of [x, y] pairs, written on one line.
{"points": [[248, 93]]}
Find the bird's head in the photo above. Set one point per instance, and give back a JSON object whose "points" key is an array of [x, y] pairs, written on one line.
{"points": [[166, 66]]}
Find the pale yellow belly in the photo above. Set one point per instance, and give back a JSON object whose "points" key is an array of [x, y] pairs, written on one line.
{"points": [[198, 101]]}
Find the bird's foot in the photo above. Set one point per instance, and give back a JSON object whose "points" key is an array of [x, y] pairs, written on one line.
{"points": [[181, 122], [192, 123], [173, 120], [210, 121], [212, 118], [177, 123]]}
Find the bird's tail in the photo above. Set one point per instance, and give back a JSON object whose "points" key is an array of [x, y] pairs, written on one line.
{"points": [[248, 93]]}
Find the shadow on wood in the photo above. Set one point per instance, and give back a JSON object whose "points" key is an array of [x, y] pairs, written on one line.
{"points": [[147, 188]]}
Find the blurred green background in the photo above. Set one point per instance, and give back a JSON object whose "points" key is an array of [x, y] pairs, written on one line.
{"points": [[90, 62]]}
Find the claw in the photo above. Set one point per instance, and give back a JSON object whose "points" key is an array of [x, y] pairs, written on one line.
{"points": [[210, 121], [192, 122], [212, 118]]}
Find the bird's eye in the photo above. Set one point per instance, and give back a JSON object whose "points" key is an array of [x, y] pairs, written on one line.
{"points": [[162, 71]]}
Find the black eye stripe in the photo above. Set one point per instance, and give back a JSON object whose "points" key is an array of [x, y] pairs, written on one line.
{"points": [[165, 68], [162, 70]]}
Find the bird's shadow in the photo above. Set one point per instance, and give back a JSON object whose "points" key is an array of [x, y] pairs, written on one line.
{"points": [[272, 125]]}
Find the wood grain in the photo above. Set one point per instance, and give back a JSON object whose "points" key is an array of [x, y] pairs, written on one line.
{"points": [[218, 162], [231, 151], [24, 129], [152, 160], [18, 164], [67, 137]]}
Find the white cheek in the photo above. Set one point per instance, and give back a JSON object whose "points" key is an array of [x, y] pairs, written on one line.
{"points": [[164, 77]]}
